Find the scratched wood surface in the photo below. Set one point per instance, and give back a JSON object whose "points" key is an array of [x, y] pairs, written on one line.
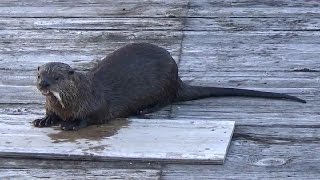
{"points": [[266, 45]]}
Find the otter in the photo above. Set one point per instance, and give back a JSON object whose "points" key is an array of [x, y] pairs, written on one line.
{"points": [[136, 79]]}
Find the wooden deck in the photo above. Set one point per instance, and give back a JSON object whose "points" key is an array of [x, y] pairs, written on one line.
{"points": [[264, 45]]}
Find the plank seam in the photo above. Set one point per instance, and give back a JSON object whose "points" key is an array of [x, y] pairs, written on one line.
{"points": [[184, 23]]}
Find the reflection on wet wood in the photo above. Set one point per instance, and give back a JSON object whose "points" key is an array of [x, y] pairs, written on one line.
{"points": [[189, 141]]}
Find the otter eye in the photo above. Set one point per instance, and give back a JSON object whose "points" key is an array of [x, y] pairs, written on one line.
{"points": [[56, 78], [38, 76], [38, 68]]}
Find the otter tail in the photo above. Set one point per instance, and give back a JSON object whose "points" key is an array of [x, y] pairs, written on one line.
{"points": [[187, 93]]}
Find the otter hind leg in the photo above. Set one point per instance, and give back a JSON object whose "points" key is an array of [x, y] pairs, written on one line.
{"points": [[47, 121], [74, 125]]}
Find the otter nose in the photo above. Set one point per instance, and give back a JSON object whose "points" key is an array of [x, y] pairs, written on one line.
{"points": [[44, 84]]}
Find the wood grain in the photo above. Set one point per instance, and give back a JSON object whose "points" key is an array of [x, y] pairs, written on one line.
{"points": [[31, 173]]}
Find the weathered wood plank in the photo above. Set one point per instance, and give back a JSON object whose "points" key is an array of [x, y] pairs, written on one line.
{"points": [[253, 37], [255, 3], [197, 10], [287, 134], [92, 24], [255, 82], [29, 95], [32, 168], [38, 47], [92, 9], [251, 119], [143, 9], [84, 37], [253, 24], [86, 3], [219, 37], [250, 160], [216, 3], [136, 139], [165, 24], [278, 50], [92, 173], [22, 163]]}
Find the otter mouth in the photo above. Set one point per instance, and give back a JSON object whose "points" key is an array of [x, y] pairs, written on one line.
{"points": [[45, 92]]}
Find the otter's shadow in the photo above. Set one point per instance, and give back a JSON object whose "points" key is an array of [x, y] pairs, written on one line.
{"points": [[94, 132]]}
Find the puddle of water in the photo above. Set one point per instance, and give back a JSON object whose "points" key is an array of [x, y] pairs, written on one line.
{"points": [[94, 132]]}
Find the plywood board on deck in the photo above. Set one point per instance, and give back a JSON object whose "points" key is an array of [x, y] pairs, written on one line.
{"points": [[188, 141]]}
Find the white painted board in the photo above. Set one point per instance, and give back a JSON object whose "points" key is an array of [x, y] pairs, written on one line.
{"points": [[172, 141]]}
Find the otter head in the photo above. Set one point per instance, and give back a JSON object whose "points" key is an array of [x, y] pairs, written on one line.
{"points": [[53, 78]]}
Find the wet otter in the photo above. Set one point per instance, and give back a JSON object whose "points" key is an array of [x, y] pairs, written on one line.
{"points": [[136, 79]]}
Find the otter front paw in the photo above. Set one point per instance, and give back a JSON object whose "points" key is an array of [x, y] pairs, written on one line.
{"points": [[47, 121], [73, 125]]}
